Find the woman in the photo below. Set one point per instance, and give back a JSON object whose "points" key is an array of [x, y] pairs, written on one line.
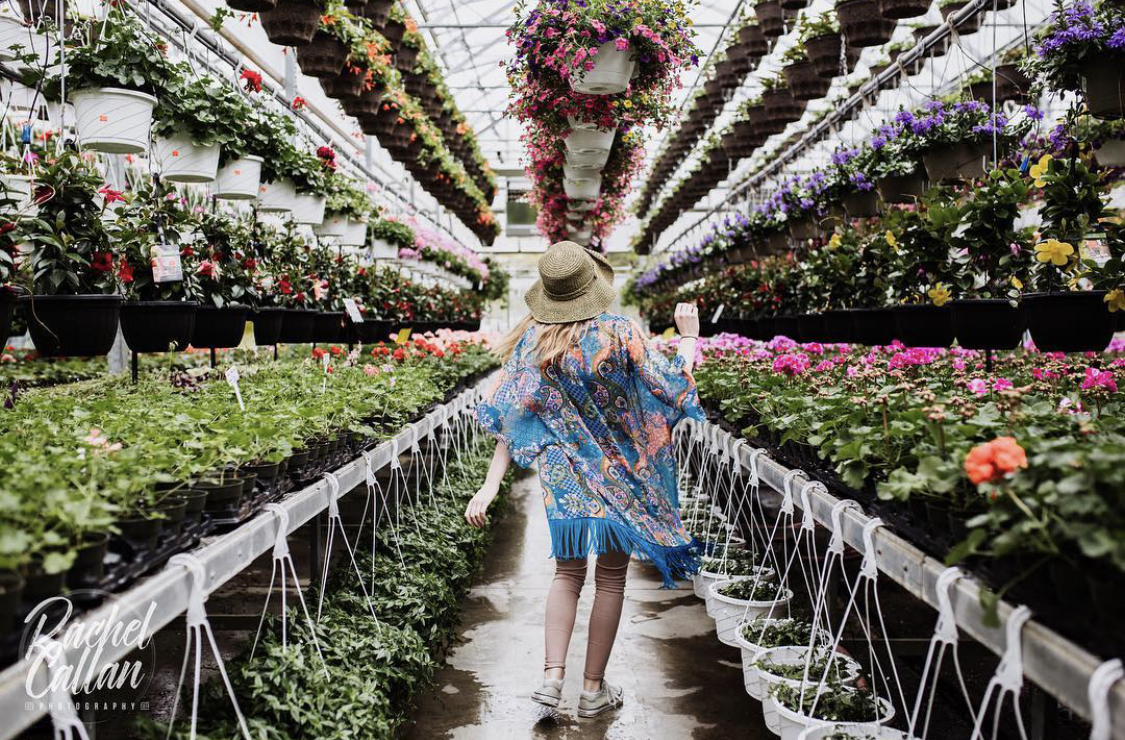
{"points": [[582, 391]]}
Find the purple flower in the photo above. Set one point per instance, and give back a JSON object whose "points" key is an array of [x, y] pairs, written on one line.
{"points": [[1033, 113], [1117, 40]]}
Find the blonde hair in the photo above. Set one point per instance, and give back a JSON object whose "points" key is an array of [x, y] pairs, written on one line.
{"points": [[551, 340]]}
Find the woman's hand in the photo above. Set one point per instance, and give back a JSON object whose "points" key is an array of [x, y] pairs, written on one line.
{"points": [[687, 320], [477, 510]]}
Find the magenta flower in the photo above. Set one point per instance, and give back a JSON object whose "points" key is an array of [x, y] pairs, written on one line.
{"points": [[1099, 380]]}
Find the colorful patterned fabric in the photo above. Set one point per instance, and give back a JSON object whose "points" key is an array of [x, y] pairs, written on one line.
{"points": [[600, 421]]}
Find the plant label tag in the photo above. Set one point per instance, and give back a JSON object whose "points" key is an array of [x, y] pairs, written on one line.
{"points": [[324, 360], [668, 332], [403, 336], [166, 265], [232, 381], [718, 312], [352, 309]]}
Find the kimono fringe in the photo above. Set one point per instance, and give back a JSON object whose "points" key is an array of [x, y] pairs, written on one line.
{"points": [[572, 539]]}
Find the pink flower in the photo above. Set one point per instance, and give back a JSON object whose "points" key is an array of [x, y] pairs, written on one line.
{"points": [[824, 365], [1001, 384], [621, 43], [370, 370], [977, 386], [1099, 380], [791, 365]]}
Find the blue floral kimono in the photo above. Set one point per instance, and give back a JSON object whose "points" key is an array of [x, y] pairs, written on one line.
{"points": [[601, 420]]}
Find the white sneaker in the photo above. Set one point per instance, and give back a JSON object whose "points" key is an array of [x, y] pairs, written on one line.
{"points": [[549, 694], [593, 703]]}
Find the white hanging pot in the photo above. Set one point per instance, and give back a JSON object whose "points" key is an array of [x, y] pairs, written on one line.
{"points": [[590, 141], [383, 250], [793, 655], [334, 226], [588, 161], [728, 612], [584, 189], [580, 206], [20, 99], [112, 120], [792, 724], [355, 233], [309, 209], [18, 188], [239, 179], [827, 730], [277, 197], [579, 175], [1111, 153], [582, 236], [17, 40], [576, 124], [182, 161], [706, 578], [612, 70]]}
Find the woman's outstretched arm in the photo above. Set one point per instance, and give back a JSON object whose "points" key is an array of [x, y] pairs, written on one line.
{"points": [[476, 511], [687, 321]]}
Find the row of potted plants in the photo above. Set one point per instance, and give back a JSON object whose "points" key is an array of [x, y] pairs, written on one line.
{"points": [[585, 78], [1008, 465], [109, 465]]}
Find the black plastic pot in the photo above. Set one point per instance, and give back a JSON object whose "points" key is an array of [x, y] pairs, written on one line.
{"points": [[810, 327], [863, 23], [1069, 322], [924, 325], [219, 328], [39, 585], [770, 18], [88, 568], [377, 11], [322, 57], [292, 22], [805, 82], [72, 325], [961, 161], [874, 327], [8, 300], [898, 9], [838, 326], [195, 500], [158, 326], [267, 324], [1103, 84], [297, 326], [328, 327], [140, 533], [265, 474], [11, 594], [174, 510], [988, 323], [252, 6], [901, 188], [824, 53], [861, 204], [222, 496]]}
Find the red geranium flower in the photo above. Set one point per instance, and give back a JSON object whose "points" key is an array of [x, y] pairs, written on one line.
{"points": [[253, 80], [125, 272], [111, 195], [102, 262]]}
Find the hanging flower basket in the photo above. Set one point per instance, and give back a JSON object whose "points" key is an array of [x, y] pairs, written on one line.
{"points": [[590, 141], [824, 53], [1103, 85], [113, 120], [333, 226], [863, 23], [297, 326], [1012, 83], [781, 108], [988, 323], [899, 9], [924, 325], [839, 326], [252, 6], [874, 327], [277, 197], [584, 189], [791, 724], [182, 161], [728, 612], [158, 326], [393, 31], [355, 233], [382, 250], [1111, 153], [348, 85], [612, 70], [805, 82], [239, 179], [756, 43], [861, 204], [771, 19], [829, 730], [965, 160], [1070, 322], [377, 11], [324, 56], [219, 328], [406, 57], [328, 327], [794, 656], [901, 188], [970, 26], [72, 325], [267, 325], [291, 22], [309, 209]]}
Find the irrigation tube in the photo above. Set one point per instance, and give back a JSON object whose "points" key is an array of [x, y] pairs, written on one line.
{"points": [[1052, 662], [167, 591]]}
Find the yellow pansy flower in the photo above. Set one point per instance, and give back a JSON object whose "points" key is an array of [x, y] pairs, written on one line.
{"points": [[890, 237], [1017, 283], [939, 294], [1115, 299], [1053, 251], [1039, 170], [834, 241]]}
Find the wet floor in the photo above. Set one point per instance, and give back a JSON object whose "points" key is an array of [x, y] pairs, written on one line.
{"points": [[680, 682]]}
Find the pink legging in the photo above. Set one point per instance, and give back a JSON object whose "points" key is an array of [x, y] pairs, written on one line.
{"points": [[562, 607]]}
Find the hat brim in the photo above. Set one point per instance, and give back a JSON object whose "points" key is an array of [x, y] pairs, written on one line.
{"points": [[599, 259], [590, 304]]}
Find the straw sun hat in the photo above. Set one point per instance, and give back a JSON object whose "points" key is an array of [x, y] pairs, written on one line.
{"points": [[574, 285]]}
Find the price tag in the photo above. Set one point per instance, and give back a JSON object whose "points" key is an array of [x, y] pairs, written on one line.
{"points": [[403, 336], [324, 361], [718, 312], [668, 332], [232, 381], [353, 311], [166, 265]]}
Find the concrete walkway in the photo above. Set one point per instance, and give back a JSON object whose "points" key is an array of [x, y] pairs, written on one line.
{"points": [[680, 682]]}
